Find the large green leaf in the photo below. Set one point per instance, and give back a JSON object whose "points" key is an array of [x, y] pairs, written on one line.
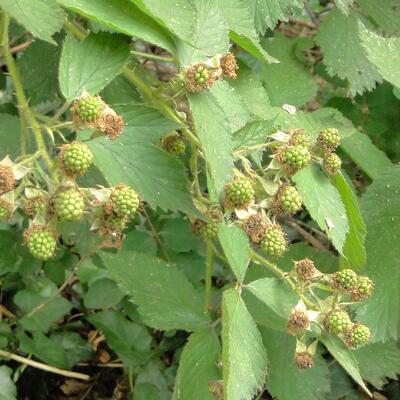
{"points": [[198, 367], [267, 13], [159, 177], [198, 23], [288, 82], [91, 64], [276, 295], [128, 339], [40, 318], [38, 73], [165, 297], [324, 203], [10, 135], [42, 18], [365, 154], [8, 388], [344, 54], [384, 53], [344, 5], [285, 380], [345, 358], [102, 293], [122, 16], [236, 247], [386, 16], [380, 207], [215, 137], [253, 134], [243, 355], [243, 32], [379, 361], [353, 251]]}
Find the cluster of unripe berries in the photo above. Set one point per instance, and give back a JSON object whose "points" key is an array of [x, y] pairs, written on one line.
{"points": [[331, 313]]}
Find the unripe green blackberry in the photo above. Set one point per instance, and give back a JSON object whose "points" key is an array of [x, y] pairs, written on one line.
{"points": [[112, 223], [35, 205], [76, 158], [210, 229], [124, 201], [6, 210], [294, 158], [41, 242], [89, 108], [337, 322], [173, 144], [288, 200], [346, 279], [298, 136], [7, 179], [68, 204], [201, 74], [239, 193], [364, 288], [274, 242], [198, 78], [332, 164], [329, 139], [357, 335]]}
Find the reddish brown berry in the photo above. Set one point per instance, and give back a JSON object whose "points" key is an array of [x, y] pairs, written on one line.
{"points": [[305, 269]]}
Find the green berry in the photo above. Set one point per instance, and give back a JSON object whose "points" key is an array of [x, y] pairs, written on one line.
{"points": [[332, 164], [69, 204], [89, 108], [289, 200], [201, 74], [294, 158], [364, 288], [329, 139], [124, 201], [41, 242], [210, 229], [5, 212], [35, 205], [239, 192], [174, 144], [358, 335], [273, 242], [337, 322], [76, 158], [298, 136], [346, 279], [112, 223]]}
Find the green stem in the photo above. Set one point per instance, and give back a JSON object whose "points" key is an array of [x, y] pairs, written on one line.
{"points": [[24, 109], [152, 56], [208, 275]]}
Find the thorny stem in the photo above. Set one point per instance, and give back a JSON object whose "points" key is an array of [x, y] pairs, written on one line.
{"points": [[24, 108], [271, 266], [208, 275]]}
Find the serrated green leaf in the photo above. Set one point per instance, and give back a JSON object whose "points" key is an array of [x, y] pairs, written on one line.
{"points": [[323, 203], [159, 177], [236, 247], [344, 54], [10, 135], [243, 354], [267, 13], [345, 358], [365, 154], [178, 236], [288, 82], [379, 361], [124, 17], [38, 73], [380, 209], [252, 134], [384, 53], [8, 388], [91, 64], [198, 367], [386, 16], [42, 318], [353, 250], [243, 32], [128, 339], [42, 18], [344, 5], [103, 293], [276, 295], [165, 297], [285, 380], [215, 137]]}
